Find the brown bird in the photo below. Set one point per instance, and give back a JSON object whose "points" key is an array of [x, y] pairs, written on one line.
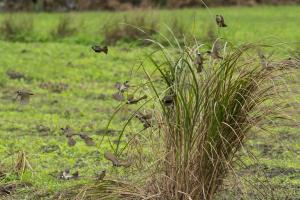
{"points": [[99, 49], [15, 75], [220, 21], [69, 133], [71, 141], [118, 96], [88, 140], [144, 119], [111, 157], [100, 175], [131, 99], [215, 53], [122, 87], [125, 163], [263, 59], [24, 96], [146, 115], [199, 62], [115, 161], [66, 175], [168, 100]]}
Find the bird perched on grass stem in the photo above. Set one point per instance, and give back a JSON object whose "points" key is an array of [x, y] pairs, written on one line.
{"points": [[99, 49], [199, 62], [220, 21], [24, 96]]}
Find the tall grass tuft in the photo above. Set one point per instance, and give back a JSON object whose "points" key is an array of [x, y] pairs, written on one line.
{"points": [[209, 119], [64, 28], [129, 29], [17, 29]]}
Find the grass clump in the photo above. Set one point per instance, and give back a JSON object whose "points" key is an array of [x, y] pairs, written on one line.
{"points": [[17, 29], [209, 118], [64, 28], [130, 29]]}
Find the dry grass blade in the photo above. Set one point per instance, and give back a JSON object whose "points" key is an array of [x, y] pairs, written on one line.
{"points": [[22, 164], [104, 190]]}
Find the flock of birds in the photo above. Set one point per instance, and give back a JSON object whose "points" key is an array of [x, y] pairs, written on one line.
{"points": [[145, 118]]}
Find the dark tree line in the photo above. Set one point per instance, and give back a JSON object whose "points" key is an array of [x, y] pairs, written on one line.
{"points": [[65, 5]]}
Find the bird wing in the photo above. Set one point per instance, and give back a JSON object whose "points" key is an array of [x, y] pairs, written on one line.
{"points": [[24, 100]]}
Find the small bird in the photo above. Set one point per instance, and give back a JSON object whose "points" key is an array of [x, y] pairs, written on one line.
{"points": [[99, 49], [122, 87], [144, 119], [220, 21], [69, 133], [199, 62], [146, 115], [24, 96], [124, 163], [215, 53], [88, 140], [15, 75], [66, 175], [71, 141], [118, 96], [131, 99], [111, 157], [168, 100], [100, 175], [115, 161], [263, 59]]}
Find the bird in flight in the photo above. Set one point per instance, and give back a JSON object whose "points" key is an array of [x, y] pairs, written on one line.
{"points": [[99, 49], [24, 96]]}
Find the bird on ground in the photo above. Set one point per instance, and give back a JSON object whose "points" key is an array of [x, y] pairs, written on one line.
{"points": [[220, 21], [100, 175], [69, 133], [88, 140], [24, 96], [99, 49], [118, 96], [111, 157]]}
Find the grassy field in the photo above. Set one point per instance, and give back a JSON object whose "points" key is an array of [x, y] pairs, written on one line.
{"points": [[86, 105]]}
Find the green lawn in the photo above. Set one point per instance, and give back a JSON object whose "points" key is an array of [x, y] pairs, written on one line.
{"points": [[86, 105]]}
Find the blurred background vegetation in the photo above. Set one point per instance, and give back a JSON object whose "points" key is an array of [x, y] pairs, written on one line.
{"points": [[69, 5]]}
